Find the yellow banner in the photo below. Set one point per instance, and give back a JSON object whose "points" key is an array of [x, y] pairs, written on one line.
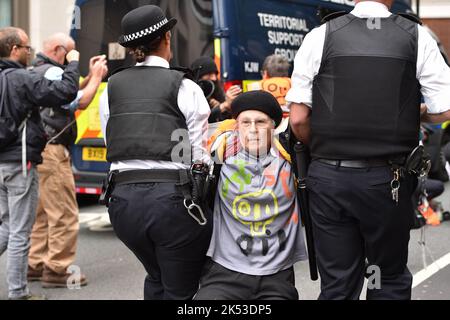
{"points": [[88, 121]]}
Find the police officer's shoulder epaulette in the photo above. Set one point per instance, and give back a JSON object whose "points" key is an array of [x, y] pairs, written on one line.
{"points": [[188, 73], [120, 70], [333, 15], [411, 17]]}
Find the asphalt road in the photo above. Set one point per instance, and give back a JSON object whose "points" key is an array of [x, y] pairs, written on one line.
{"points": [[115, 274]]}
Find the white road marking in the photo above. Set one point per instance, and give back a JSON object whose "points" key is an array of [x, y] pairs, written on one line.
{"points": [[88, 217], [432, 269], [97, 222]]}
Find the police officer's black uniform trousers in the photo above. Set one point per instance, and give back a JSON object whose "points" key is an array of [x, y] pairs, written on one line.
{"points": [[150, 218], [354, 218]]}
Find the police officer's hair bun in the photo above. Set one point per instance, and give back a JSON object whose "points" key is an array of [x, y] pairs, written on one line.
{"points": [[141, 52]]}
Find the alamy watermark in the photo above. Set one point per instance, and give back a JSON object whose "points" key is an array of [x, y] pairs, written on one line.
{"points": [[373, 277], [74, 17], [74, 280], [374, 23]]}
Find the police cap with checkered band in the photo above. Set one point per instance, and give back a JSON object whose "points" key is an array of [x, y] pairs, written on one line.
{"points": [[144, 24]]}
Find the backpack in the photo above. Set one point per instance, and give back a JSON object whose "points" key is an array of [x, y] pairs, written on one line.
{"points": [[9, 131], [8, 128]]}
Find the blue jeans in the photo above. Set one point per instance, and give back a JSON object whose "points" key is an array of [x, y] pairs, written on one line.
{"points": [[18, 202]]}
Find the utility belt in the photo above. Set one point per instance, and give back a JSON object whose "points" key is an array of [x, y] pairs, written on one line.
{"points": [[417, 164], [356, 164], [195, 185]]}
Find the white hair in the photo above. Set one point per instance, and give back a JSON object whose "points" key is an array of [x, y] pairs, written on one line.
{"points": [[57, 39]]}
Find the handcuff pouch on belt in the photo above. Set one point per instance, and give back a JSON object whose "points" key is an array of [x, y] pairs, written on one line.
{"points": [[107, 189], [195, 186], [418, 162]]}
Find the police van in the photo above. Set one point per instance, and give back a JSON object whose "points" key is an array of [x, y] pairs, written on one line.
{"points": [[239, 33]]}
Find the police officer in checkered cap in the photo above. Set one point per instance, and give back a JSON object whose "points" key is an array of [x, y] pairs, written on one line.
{"points": [[155, 122]]}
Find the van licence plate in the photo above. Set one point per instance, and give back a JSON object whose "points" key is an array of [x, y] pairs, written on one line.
{"points": [[94, 154]]}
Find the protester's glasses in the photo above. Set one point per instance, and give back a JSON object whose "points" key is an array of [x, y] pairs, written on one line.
{"points": [[29, 49], [64, 48], [259, 123]]}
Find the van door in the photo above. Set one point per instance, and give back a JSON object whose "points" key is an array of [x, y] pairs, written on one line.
{"points": [[99, 27], [100, 23], [249, 31]]}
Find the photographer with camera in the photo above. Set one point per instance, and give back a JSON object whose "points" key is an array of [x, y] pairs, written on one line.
{"points": [[207, 75]]}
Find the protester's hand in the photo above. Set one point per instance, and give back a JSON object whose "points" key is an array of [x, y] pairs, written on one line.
{"points": [[99, 69], [73, 55], [423, 109], [213, 103], [232, 93], [105, 71], [95, 59]]}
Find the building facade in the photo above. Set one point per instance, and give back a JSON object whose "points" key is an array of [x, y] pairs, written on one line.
{"points": [[14, 12], [39, 18], [5, 13], [436, 15]]}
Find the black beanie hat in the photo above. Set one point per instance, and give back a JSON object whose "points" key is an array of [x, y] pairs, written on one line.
{"points": [[258, 100], [204, 65]]}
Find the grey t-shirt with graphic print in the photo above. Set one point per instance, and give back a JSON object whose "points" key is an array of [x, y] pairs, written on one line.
{"points": [[257, 229]]}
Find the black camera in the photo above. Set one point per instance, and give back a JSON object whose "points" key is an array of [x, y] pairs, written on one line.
{"points": [[208, 87]]}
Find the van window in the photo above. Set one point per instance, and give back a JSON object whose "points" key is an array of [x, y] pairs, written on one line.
{"points": [[101, 21]]}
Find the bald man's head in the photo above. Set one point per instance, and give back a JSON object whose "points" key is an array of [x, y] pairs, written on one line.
{"points": [[57, 46]]}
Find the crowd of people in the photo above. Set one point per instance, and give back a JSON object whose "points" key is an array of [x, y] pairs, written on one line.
{"points": [[38, 207], [218, 217]]}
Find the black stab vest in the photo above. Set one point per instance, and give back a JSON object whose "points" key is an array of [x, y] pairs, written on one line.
{"points": [[144, 113], [366, 96]]}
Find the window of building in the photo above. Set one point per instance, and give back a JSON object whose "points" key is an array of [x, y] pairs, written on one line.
{"points": [[5, 13]]}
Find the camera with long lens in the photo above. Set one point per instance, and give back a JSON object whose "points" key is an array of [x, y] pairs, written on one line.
{"points": [[208, 87]]}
